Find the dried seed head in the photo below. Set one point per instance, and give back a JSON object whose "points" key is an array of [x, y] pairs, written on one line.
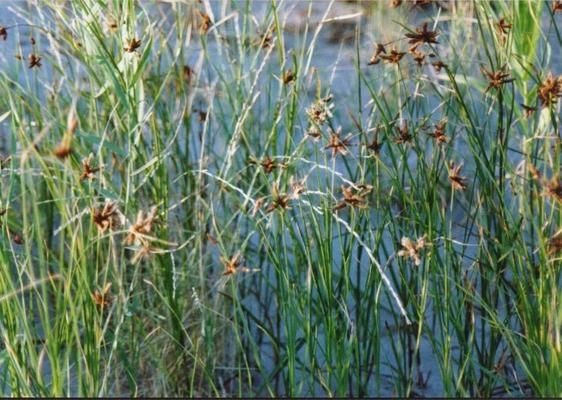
{"points": [[314, 133], [269, 165], [553, 188], [297, 187], [394, 57], [16, 237], [320, 111], [379, 49], [503, 26], [144, 252], [288, 76], [338, 145], [138, 232], [422, 35], [458, 182], [132, 45], [550, 90], [438, 65], [439, 133], [404, 136], [103, 298], [412, 249], [63, 150], [3, 33], [279, 201], [418, 57], [205, 23], [496, 79], [233, 265], [188, 73], [354, 197], [374, 146], [88, 172], [107, 217], [554, 244], [34, 61], [535, 173]]}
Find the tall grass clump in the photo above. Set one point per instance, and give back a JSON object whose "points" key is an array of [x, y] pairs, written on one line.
{"points": [[280, 198]]}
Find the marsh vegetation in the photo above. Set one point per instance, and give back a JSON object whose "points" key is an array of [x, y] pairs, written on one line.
{"points": [[280, 198]]}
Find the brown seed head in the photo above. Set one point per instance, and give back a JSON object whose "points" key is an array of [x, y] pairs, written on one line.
{"points": [[288, 76], [103, 298], [503, 26], [553, 188], [106, 217], [550, 90], [141, 228], [320, 111], [88, 172], [34, 61], [438, 65], [422, 35], [354, 197], [279, 201], [132, 45], [404, 136], [338, 145], [413, 249], [205, 23], [439, 133], [496, 78], [394, 57], [458, 182]]}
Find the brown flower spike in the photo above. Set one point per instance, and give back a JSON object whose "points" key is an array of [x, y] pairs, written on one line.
{"points": [[438, 65], [103, 299], [404, 136], [288, 77], [553, 188], [88, 172], [394, 57], [457, 181], [338, 145], [439, 133], [106, 217], [320, 111], [354, 197], [232, 265], [280, 201], [374, 146], [503, 26], [375, 59], [550, 90], [34, 61], [412, 249], [141, 228], [132, 45], [422, 35], [496, 78]]}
